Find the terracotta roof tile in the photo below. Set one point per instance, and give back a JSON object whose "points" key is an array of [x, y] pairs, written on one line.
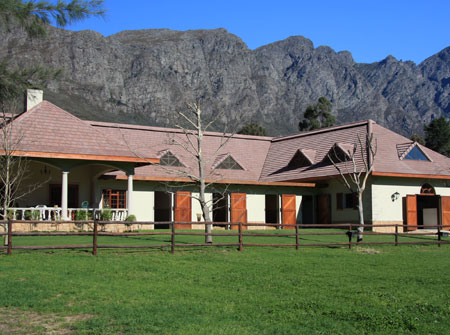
{"points": [[48, 128], [249, 151]]}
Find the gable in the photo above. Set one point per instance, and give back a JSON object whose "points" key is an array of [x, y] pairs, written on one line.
{"points": [[167, 158], [411, 151], [227, 162], [302, 158], [340, 152]]}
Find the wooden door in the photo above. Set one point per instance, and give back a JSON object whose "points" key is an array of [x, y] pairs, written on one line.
{"points": [[324, 209], [288, 213], [238, 209], [445, 212], [411, 212], [183, 212]]}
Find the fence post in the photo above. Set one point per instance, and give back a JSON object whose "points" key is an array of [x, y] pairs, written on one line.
{"points": [[240, 236], [296, 237], [172, 243], [350, 233], [94, 239], [396, 235], [9, 237], [439, 235]]}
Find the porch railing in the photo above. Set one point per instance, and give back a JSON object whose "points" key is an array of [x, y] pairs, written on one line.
{"points": [[54, 213]]}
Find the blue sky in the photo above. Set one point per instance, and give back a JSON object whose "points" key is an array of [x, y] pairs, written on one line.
{"points": [[370, 30]]}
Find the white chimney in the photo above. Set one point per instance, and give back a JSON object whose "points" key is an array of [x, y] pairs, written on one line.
{"points": [[34, 97]]}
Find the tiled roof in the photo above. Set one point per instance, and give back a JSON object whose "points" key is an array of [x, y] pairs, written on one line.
{"points": [[47, 128], [249, 151], [276, 166], [388, 160], [391, 148]]}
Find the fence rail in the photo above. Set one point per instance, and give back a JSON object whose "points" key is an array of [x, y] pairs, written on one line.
{"points": [[347, 229]]}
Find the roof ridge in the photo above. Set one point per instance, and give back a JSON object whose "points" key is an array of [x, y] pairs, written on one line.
{"points": [[323, 130], [173, 130]]}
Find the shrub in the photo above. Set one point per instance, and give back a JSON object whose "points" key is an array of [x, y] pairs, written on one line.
{"points": [[81, 215], [28, 215], [131, 218], [106, 215], [35, 214]]}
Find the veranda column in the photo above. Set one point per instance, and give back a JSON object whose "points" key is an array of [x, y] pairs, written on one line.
{"points": [[130, 195], [64, 194]]}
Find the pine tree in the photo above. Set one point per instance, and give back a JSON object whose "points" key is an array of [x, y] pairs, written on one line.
{"points": [[437, 135], [253, 128], [317, 116]]}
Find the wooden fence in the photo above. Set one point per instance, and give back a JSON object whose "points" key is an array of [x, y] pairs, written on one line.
{"points": [[346, 229]]}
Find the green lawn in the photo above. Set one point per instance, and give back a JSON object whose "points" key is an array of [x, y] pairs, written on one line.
{"points": [[218, 290]]}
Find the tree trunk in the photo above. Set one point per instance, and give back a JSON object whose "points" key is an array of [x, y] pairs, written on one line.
{"points": [[208, 227], [361, 216], [6, 198]]}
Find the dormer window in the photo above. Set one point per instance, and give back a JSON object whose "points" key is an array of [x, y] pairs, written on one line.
{"points": [[412, 151], [227, 162], [340, 152], [302, 158], [169, 159], [416, 154]]}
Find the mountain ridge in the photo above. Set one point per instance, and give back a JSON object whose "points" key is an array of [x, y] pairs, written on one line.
{"points": [[144, 76]]}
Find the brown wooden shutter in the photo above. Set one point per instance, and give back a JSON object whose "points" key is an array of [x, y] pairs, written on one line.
{"points": [[411, 212], [339, 201], [445, 210], [238, 209], [288, 215], [183, 209]]}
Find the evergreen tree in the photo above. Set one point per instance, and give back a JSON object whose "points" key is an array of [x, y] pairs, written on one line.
{"points": [[317, 116], [437, 135], [253, 128], [34, 17]]}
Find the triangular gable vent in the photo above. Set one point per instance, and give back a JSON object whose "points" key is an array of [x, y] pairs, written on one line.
{"points": [[411, 151], [167, 158], [340, 152], [302, 158], [226, 162]]}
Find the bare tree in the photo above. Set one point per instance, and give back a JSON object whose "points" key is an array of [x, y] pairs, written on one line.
{"points": [[192, 143], [353, 176], [13, 167]]}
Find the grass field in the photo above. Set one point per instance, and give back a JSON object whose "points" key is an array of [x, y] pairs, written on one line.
{"points": [[376, 290]]}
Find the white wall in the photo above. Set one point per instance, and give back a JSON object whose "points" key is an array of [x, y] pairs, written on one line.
{"points": [[384, 209], [256, 204], [144, 204], [298, 204]]}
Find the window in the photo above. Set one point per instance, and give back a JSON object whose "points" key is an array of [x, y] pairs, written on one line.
{"points": [[169, 159], [346, 201], [416, 154], [114, 198], [229, 164]]}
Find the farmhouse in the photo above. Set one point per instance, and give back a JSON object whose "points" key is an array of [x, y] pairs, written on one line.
{"points": [[141, 170]]}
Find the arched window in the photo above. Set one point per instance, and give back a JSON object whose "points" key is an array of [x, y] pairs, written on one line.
{"points": [[427, 189]]}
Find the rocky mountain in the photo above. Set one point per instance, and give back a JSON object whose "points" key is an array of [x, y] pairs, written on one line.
{"points": [[145, 76]]}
